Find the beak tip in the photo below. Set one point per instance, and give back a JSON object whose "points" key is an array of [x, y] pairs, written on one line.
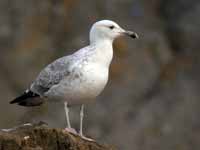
{"points": [[134, 36]]}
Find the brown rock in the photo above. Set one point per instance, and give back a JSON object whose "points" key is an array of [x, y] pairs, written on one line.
{"points": [[41, 137]]}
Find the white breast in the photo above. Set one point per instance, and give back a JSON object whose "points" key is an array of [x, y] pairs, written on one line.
{"points": [[83, 87], [88, 78], [95, 79]]}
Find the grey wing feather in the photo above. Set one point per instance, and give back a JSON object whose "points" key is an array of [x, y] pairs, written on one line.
{"points": [[51, 75]]}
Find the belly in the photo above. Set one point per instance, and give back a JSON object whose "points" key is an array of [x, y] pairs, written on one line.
{"points": [[83, 87]]}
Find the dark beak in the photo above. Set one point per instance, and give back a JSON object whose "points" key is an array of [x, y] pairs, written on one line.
{"points": [[132, 34]]}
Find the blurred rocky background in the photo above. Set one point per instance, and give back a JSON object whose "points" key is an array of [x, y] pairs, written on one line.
{"points": [[152, 99]]}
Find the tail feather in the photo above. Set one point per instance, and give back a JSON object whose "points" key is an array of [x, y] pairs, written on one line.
{"points": [[27, 99]]}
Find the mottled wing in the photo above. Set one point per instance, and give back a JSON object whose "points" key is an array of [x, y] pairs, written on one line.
{"points": [[52, 75]]}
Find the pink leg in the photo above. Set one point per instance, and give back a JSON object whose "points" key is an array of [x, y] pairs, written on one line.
{"points": [[69, 129]]}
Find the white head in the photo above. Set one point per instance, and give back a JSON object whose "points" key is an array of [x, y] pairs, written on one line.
{"points": [[108, 30]]}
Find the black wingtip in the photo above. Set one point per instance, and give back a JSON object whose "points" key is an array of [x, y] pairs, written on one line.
{"points": [[32, 102], [12, 102], [26, 95], [16, 100]]}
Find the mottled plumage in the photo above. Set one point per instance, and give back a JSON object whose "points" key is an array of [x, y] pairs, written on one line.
{"points": [[80, 77]]}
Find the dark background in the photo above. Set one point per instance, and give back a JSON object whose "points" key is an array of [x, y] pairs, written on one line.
{"points": [[152, 99]]}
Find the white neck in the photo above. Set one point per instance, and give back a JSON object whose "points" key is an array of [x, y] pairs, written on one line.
{"points": [[104, 51]]}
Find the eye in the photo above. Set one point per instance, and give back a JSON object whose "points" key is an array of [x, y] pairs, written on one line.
{"points": [[111, 27]]}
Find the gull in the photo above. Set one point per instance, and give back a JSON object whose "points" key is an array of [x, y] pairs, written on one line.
{"points": [[78, 78]]}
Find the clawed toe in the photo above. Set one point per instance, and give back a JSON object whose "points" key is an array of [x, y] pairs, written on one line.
{"points": [[86, 138], [71, 130]]}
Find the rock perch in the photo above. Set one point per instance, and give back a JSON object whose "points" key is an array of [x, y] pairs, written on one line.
{"points": [[41, 137]]}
